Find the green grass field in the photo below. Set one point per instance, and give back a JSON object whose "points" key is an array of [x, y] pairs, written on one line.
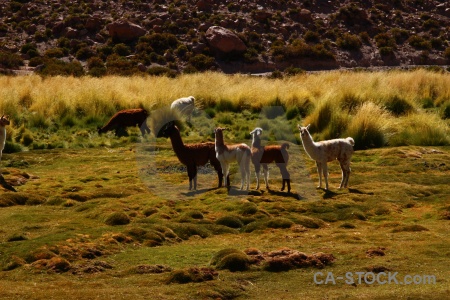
{"points": [[102, 217]]}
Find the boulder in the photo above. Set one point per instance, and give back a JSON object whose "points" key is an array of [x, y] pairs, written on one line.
{"points": [[125, 31], [224, 40]]}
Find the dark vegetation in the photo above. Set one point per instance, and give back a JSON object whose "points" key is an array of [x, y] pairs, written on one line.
{"points": [[71, 38]]}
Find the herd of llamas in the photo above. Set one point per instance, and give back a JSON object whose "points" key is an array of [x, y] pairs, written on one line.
{"points": [[220, 155]]}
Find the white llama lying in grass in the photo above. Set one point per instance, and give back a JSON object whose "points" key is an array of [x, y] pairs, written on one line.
{"points": [[226, 154], [185, 106], [325, 151]]}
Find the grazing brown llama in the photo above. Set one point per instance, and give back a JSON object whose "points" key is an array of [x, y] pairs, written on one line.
{"points": [[263, 155], [226, 154], [325, 151], [127, 118], [192, 155]]}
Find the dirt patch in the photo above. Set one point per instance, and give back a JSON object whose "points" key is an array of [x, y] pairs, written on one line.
{"points": [[376, 252], [287, 259], [91, 267], [192, 275], [284, 259], [377, 269], [150, 269]]}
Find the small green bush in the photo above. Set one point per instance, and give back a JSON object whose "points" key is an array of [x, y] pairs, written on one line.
{"points": [[230, 221], [446, 111], [117, 218], [10, 60], [278, 223], [419, 42], [398, 106], [349, 42]]}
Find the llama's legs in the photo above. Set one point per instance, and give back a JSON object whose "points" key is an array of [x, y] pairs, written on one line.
{"points": [[319, 171], [144, 128], [345, 167], [192, 174], [218, 169], [247, 172], [225, 171], [266, 175], [325, 174], [286, 176], [257, 173]]}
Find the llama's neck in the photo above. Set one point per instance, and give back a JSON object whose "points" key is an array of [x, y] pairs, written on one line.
{"points": [[309, 145], [256, 143], [177, 143], [219, 139], [2, 137]]}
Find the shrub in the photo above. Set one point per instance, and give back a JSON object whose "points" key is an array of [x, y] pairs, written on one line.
{"points": [[398, 106], [10, 60], [349, 42], [420, 130], [117, 218], [419, 42], [385, 40], [368, 127], [202, 62], [447, 53], [446, 111], [292, 113], [54, 53], [85, 53], [300, 49], [321, 116], [121, 49], [54, 67]]}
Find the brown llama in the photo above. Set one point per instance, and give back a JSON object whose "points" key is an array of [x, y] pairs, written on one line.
{"points": [[192, 155], [263, 155], [127, 118]]}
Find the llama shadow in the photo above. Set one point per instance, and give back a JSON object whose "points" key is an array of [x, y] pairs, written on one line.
{"points": [[328, 194], [285, 194], [6, 185], [237, 192], [356, 191], [197, 192]]}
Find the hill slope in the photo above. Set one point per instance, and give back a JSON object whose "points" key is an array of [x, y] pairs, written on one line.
{"points": [[166, 37]]}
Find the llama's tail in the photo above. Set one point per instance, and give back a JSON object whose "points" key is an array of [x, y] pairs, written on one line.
{"points": [[351, 141]]}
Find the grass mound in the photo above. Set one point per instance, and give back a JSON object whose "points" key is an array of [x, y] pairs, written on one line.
{"points": [[230, 221], [231, 259], [191, 275], [117, 218]]}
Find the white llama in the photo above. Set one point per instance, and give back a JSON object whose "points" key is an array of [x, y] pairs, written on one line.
{"points": [[325, 151], [226, 154]]}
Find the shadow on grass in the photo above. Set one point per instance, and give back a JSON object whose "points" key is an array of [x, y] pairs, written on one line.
{"points": [[198, 192], [285, 194], [356, 191], [6, 185]]}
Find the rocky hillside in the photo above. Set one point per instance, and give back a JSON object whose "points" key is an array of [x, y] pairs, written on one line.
{"points": [[99, 37]]}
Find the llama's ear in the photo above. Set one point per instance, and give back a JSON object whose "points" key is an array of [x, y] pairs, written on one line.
{"points": [[307, 127]]}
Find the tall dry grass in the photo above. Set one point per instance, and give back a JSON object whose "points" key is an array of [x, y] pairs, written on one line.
{"points": [[329, 100]]}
